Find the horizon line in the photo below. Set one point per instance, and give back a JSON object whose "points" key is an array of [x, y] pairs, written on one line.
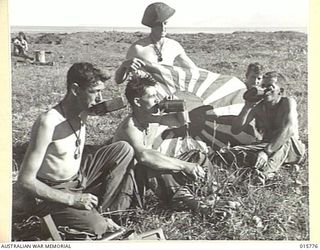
{"points": [[168, 27]]}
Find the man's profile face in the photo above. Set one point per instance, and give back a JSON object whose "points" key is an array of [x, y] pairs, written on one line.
{"points": [[149, 100], [91, 95], [253, 79], [272, 89], [159, 30]]}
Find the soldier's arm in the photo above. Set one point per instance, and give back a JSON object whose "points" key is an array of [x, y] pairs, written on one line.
{"points": [[246, 115], [154, 159]]}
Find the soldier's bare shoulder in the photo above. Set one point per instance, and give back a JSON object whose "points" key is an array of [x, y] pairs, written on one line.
{"points": [[49, 118], [141, 42]]}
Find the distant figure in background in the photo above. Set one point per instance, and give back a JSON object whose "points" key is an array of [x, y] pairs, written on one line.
{"points": [[156, 47], [253, 75], [277, 115], [20, 46]]}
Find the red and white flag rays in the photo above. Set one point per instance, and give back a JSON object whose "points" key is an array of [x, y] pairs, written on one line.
{"points": [[212, 101]]}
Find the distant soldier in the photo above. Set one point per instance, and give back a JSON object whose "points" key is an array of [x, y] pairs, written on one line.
{"points": [[20, 46]]}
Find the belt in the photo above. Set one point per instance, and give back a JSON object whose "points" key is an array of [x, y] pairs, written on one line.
{"points": [[75, 183]]}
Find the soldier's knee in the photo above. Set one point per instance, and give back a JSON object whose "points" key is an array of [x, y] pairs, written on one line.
{"points": [[92, 222], [97, 226], [125, 148], [89, 221]]}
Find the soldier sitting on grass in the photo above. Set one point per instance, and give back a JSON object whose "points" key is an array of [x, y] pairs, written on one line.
{"points": [[169, 176], [156, 47], [72, 189], [278, 123], [253, 79], [20, 46]]}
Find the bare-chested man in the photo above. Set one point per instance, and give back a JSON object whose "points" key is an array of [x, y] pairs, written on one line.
{"points": [[52, 171], [156, 47], [278, 121], [139, 128]]}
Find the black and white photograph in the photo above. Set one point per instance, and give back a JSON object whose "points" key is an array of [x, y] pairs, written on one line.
{"points": [[159, 120]]}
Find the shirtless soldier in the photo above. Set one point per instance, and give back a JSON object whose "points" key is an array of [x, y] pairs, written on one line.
{"points": [[168, 174], [155, 48], [52, 171], [278, 122]]}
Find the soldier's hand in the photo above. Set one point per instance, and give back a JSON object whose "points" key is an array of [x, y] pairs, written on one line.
{"points": [[85, 201], [262, 160], [195, 171], [133, 64], [112, 226]]}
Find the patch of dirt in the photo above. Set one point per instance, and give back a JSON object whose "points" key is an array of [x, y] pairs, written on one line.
{"points": [[49, 38]]}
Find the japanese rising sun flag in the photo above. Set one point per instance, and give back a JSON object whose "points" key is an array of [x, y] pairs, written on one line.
{"points": [[212, 101]]}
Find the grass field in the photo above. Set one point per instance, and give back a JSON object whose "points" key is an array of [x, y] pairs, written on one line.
{"points": [[277, 211]]}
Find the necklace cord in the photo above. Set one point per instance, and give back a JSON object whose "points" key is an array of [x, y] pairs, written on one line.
{"points": [[78, 140], [156, 49]]}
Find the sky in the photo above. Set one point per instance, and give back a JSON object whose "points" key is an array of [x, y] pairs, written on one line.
{"points": [[189, 13]]}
